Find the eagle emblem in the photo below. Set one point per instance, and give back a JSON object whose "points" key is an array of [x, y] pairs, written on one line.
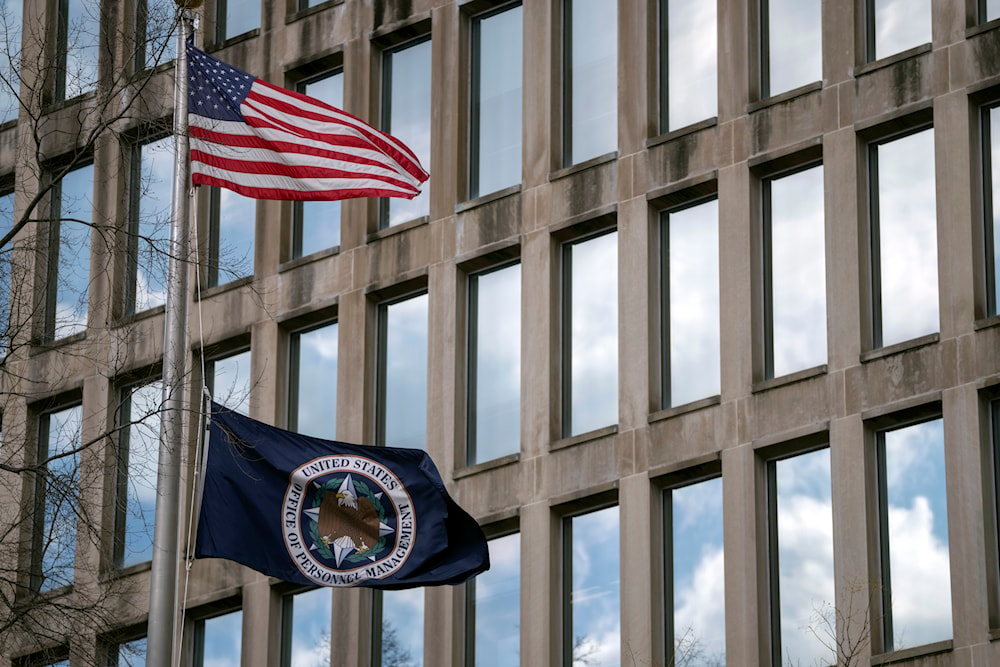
{"points": [[347, 521]]}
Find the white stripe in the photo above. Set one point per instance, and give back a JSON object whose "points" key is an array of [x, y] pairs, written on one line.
{"points": [[335, 115], [269, 182], [242, 129]]}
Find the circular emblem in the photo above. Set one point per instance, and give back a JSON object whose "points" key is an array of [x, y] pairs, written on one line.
{"points": [[347, 519]]}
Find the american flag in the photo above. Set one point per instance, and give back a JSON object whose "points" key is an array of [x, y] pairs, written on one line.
{"points": [[266, 142]]}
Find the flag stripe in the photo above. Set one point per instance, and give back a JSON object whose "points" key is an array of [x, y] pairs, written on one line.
{"points": [[270, 143]]}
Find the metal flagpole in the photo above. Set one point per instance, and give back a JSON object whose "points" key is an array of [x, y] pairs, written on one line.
{"points": [[161, 631]]}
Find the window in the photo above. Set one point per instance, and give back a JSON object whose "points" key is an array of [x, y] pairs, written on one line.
{"points": [[991, 206], [591, 583], [228, 379], [235, 17], [10, 64], [903, 238], [693, 558], [6, 270], [231, 241], [56, 657], [896, 25], [794, 272], [494, 607], [402, 373], [792, 44], [316, 224], [128, 654], [406, 114], [312, 405], [494, 401], [149, 223], [305, 628], [800, 541], [590, 334], [154, 32], [398, 628], [989, 10], [913, 535], [218, 640], [69, 253], [688, 63], [78, 28], [690, 312], [590, 79], [495, 123], [138, 453], [54, 537]]}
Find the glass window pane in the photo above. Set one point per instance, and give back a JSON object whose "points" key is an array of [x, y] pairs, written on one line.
{"points": [[240, 16], [56, 543], [406, 108], [592, 356], [80, 27], [402, 629], [71, 252], [404, 373], [234, 222], [900, 25], [10, 61], [803, 538], [496, 102], [140, 449], [794, 44], [691, 329], [690, 70], [496, 606], [797, 273], [308, 618], [495, 372], [591, 78], [315, 391], [991, 154], [151, 198], [221, 640], [991, 9], [229, 382], [129, 654], [906, 246], [6, 257], [695, 574], [917, 579], [155, 32], [318, 222], [594, 616]]}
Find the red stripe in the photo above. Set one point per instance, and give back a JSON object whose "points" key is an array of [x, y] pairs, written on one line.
{"points": [[290, 171], [297, 195], [258, 142]]}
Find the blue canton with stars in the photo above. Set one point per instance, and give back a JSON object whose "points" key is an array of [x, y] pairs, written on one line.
{"points": [[215, 89]]}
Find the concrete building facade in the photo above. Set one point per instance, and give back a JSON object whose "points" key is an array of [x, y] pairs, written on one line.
{"points": [[744, 276]]}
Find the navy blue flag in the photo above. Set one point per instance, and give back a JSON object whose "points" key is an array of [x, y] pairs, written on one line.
{"points": [[318, 512]]}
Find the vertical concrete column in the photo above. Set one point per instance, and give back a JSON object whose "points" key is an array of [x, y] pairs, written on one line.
{"points": [[966, 521], [269, 371], [843, 250], [735, 280], [261, 624], [442, 359], [641, 586], [538, 365], [733, 51], [540, 57], [444, 110], [739, 521], [440, 626], [359, 96], [540, 587], [352, 367], [351, 634], [635, 328], [853, 585], [637, 23], [956, 247]]}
